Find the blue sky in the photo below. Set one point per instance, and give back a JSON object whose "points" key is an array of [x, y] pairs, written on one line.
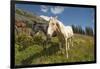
{"points": [[67, 15]]}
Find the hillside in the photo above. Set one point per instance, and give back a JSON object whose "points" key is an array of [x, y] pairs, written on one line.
{"points": [[82, 51], [27, 17], [29, 50], [24, 21]]}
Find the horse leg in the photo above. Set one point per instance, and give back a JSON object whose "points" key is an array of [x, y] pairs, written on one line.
{"points": [[46, 42], [68, 43], [66, 48], [72, 41], [44, 45], [60, 47]]}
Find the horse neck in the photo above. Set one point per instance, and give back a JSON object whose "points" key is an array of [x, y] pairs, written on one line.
{"points": [[60, 34], [61, 26]]}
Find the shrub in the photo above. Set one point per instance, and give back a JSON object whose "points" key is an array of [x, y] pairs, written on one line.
{"points": [[38, 39], [23, 40]]}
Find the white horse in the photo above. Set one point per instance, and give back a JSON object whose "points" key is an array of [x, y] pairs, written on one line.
{"points": [[45, 17], [70, 33], [63, 33]]}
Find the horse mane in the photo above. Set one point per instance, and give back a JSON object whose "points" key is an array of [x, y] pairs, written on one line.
{"points": [[45, 17], [58, 27]]}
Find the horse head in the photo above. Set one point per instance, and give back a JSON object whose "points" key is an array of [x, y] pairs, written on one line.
{"points": [[52, 28]]}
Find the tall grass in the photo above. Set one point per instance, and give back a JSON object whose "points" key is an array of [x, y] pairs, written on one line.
{"points": [[83, 50]]}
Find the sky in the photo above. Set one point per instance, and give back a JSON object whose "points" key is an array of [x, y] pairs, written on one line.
{"points": [[77, 16]]}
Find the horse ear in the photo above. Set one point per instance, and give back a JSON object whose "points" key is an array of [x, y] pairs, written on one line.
{"points": [[56, 17], [50, 19]]}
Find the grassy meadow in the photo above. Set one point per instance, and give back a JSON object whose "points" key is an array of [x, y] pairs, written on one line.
{"points": [[29, 50], [33, 53]]}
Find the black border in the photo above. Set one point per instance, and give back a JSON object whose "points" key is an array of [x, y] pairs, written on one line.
{"points": [[12, 51]]}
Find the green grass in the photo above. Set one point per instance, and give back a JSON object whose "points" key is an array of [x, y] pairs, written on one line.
{"points": [[83, 50]]}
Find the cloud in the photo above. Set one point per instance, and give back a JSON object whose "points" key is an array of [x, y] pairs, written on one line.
{"points": [[52, 9], [57, 10], [44, 8]]}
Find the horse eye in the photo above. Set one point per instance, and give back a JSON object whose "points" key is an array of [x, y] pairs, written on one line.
{"points": [[52, 23]]}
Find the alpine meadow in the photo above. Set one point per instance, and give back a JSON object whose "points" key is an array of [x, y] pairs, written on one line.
{"points": [[29, 47]]}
